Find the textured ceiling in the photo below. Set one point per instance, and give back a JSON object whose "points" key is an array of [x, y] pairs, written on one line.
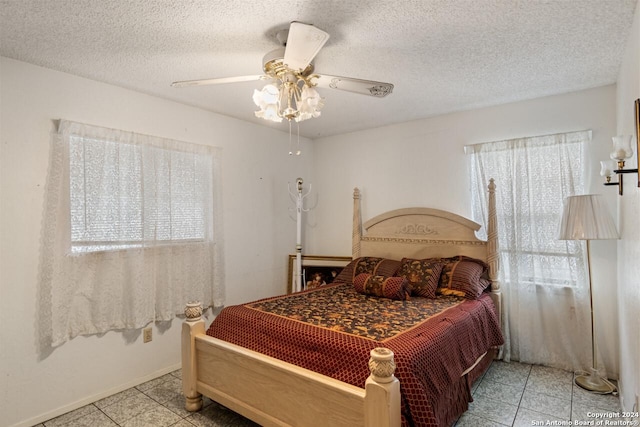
{"points": [[441, 55]]}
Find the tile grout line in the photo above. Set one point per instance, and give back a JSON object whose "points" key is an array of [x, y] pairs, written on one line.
{"points": [[105, 414], [522, 396]]}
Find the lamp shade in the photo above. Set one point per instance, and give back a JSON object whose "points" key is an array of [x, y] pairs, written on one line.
{"points": [[586, 218]]}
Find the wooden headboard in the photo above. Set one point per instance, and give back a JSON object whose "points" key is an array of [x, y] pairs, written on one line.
{"points": [[428, 233]]}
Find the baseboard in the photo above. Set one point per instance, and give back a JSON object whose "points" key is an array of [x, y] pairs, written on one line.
{"points": [[88, 400]]}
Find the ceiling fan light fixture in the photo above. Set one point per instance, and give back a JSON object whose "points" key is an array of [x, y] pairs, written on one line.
{"points": [[268, 100], [310, 104], [290, 97]]}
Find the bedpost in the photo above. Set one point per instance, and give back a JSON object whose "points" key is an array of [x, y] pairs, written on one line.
{"points": [[356, 234], [382, 402], [193, 326], [493, 256]]}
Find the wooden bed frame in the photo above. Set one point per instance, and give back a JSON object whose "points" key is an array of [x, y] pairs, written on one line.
{"points": [[275, 393]]}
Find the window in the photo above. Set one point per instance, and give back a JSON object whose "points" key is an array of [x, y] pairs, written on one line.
{"points": [[544, 280], [534, 176], [132, 231], [125, 195]]}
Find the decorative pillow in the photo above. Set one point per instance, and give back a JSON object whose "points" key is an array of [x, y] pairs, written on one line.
{"points": [[371, 265], [462, 276], [422, 274], [388, 287]]}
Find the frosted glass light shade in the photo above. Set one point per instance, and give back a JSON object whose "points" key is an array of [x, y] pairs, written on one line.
{"points": [[622, 148], [268, 101], [310, 104], [607, 167], [268, 95], [586, 218]]}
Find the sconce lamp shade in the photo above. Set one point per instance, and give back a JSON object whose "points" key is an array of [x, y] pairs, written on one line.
{"points": [[586, 218]]}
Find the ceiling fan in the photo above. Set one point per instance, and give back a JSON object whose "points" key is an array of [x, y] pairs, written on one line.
{"points": [[291, 94]]}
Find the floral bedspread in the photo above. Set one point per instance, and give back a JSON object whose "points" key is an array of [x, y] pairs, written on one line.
{"points": [[331, 330], [341, 309]]}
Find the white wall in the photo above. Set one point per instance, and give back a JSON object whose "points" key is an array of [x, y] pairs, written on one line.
{"points": [[258, 231], [629, 245], [422, 163]]}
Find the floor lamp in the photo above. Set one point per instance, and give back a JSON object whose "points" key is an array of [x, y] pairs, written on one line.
{"points": [[587, 218]]}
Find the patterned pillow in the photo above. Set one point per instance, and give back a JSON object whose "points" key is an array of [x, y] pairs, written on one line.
{"points": [[388, 287], [371, 265], [462, 276], [422, 274]]}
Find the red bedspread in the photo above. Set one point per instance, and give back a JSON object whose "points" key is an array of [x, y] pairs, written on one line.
{"points": [[331, 330]]}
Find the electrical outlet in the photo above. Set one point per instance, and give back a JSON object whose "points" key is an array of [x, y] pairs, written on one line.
{"points": [[147, 334]]}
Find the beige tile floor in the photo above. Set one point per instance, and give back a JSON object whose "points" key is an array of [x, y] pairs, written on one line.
{"points": [[509, 394]]}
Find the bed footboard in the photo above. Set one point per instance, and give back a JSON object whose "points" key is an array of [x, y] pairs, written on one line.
{"points": [[275, 393]]}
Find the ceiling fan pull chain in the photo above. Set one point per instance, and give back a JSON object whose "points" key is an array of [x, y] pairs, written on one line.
{"points": [[298, 151], [290, 143]]}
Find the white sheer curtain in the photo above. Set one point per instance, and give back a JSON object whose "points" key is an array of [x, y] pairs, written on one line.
{"points": [[544, 280], [131, 231]]}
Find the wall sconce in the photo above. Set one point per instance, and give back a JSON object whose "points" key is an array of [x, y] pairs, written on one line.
{"points": [[622, 150]]}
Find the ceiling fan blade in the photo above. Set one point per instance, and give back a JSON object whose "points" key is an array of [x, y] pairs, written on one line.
{"points": [[303, 44], [363, 87], [222, 80]]}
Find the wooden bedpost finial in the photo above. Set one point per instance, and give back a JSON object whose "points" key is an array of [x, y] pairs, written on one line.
{"points": [[193, 311], [382, 405], [382, 365]]}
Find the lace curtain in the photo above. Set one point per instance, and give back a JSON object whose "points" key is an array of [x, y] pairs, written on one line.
{"points": [[544, 280], [131, 232]]}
